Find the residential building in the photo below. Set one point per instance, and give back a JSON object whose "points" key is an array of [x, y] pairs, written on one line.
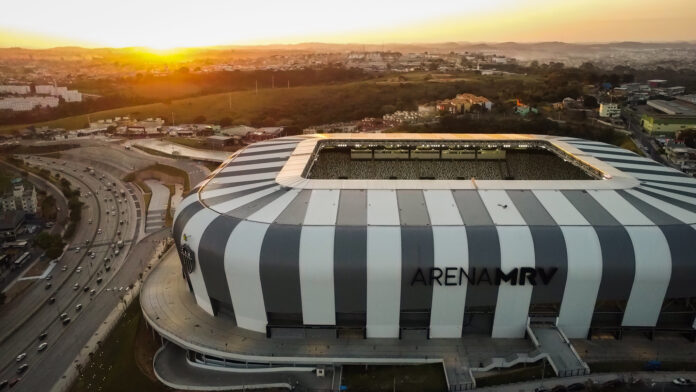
{"points": [[266, 133], [464, 103], [20, 198], [667, 117], [609, 110], [10, 222], [14, 89]]}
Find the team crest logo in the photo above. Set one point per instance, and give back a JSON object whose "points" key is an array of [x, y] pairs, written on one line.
{"points": [[188, 259]]}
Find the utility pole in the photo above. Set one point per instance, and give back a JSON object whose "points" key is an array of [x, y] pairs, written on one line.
{"points": [[288, 83], [272, 81], [257, 87], [230, 101], [172, 118]]}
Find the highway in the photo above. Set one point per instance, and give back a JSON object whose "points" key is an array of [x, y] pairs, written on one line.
{"points": [[25, 318]]}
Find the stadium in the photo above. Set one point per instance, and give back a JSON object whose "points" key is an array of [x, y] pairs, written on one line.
{"points": [[439, 236]]}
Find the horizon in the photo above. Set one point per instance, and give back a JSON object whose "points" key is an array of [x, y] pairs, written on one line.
{"points": [[308, 43], [160, 26]]}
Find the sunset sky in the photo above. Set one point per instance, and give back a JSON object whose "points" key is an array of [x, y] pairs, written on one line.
{"points": [[167, 24]]}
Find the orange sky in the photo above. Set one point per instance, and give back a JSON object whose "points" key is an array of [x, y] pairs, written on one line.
{"points": [[168, 24]]}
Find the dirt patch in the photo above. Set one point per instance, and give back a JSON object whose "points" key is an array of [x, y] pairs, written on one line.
{"points": [[144, 350], [17, 289], [37, 269]]}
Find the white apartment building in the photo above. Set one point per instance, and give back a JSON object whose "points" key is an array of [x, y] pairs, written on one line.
{"points": [[63, 92], [20, 198], [19, 104], [14, 89], [609, 110]]}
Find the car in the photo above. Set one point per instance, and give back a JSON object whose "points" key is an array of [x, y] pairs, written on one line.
{"points": [[66, 321], [540, 389], [559, 388], [43, 336], [49, 277], [78, 269], [23, 368], [78, 307], [51, 300], [108, 268], [76, 286], [681, 381], [86, 242], [20, 357], [106, 260], [99, 280], [90, 221], [577, 387], [3, 384], [99, 231], [63, 316], [86, 289], [48, 285], [64, 268], [92, 292], [77, 250], [42, 346], [91, 256], [113, 213], [14, 381]]}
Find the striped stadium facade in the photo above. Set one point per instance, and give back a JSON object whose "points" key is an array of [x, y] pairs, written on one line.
{"points": [[278, 250]]}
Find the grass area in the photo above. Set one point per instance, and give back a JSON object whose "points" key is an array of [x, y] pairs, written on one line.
{"points": [[119, 362], [283, 106], [168, 218], [630, 145], [147, 193], [188, 142], [417, 378], [5, 181], [517, 373]]}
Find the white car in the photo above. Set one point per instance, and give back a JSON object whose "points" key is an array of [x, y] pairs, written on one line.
{"points": [[43, 346], [78, 270], [682, 381], [77, 250], [20, 357]]}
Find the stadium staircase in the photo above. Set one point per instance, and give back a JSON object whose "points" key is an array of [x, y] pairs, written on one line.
{"points": [[550, 344]]}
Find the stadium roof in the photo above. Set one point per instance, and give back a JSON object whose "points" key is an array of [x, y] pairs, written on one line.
{"points": [[269, 174]]}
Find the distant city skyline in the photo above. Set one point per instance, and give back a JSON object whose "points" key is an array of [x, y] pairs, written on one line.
{"points": [[160, 24]]}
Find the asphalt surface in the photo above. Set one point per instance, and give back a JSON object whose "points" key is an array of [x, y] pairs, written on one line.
{"points": [[25, 318]]}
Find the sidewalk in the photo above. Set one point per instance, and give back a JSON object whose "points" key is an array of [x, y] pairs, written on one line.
{"points": [[598, 378]]}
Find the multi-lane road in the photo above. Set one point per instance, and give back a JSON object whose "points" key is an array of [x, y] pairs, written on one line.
{"points": [[113, 218]]}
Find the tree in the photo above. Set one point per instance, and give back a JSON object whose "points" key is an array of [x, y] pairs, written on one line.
{"points": [[590, 102]]}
